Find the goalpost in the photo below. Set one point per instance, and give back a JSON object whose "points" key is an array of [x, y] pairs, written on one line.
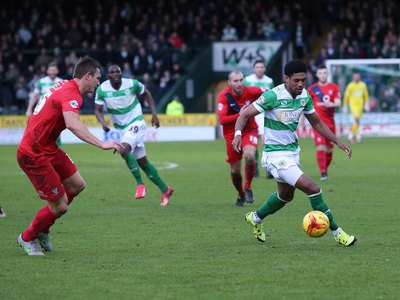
{"points": [[382, 76]]}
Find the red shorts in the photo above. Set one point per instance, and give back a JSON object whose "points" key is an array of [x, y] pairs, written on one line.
{"points": [[248, 138], [320, 140], [47, 172]]}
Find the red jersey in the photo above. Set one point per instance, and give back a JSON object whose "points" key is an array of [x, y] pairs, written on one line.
{"points": [[228, 110], [322, 94], [47, 121]]}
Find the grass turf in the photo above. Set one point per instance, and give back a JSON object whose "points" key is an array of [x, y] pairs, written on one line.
{"points": [[199, 247]]}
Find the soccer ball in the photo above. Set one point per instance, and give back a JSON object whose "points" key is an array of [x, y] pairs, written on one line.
{"points": [[315, 223]]}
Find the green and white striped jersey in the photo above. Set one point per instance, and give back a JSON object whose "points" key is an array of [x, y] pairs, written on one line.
{"points": [[122, 105], [281, 117], [43, 85], [264, 82]]}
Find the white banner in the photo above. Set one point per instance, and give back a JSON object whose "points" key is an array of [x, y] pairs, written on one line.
{"points": [[372, 124], [241, 55], [13, 136], [162, 134]]}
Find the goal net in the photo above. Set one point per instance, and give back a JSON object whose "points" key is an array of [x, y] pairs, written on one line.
{"points": [[382, 76]]}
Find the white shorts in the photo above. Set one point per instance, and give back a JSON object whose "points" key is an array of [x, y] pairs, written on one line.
{"points": [[134, 136], [260, 123], [284, 168]]}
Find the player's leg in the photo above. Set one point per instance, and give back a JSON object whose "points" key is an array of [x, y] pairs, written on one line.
{"points": [[70, 177], [314, 194], [73, 186], [152, 174], [49, 187], [329, 148], [133, 139], [249, 145], [134, 168], [237, 181], [320, 143], [329, 154], [286, 173], [234, 160]]}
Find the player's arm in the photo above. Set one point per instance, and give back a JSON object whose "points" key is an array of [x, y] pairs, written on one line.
{"points": [[245, 114], [324, 130], [149, 99], [73, 123], [98, 111], [223, 116], [335, 103], [31, 104]]}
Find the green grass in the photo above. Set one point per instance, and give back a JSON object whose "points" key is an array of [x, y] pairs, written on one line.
{"points": [[199, 247]]}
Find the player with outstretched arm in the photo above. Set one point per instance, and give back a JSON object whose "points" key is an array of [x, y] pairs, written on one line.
{"points": [[283, 106]]}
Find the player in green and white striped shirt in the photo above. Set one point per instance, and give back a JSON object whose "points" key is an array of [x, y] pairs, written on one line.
{"points": [[43, 85], [120, 96], [282, 107], [258, 78]]}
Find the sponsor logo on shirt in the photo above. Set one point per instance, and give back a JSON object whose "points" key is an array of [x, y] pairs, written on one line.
{"points": [[220, 106], [74, 104], [54, 190], [289, 116], [260, 100], [127, 92]]}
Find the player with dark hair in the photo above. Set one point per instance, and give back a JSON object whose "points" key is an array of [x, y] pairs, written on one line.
{"points": [[51, 171], [121, 98], [231, 101], [282, 107], [326, 97]]}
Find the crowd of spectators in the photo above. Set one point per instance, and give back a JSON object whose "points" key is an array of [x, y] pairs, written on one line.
{"points": [[364, 29], [155, 40]]}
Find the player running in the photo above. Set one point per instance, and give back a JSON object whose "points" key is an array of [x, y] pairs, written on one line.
{"points": [[51, 171], [120, 97], [283, 106], [326, 97], [231, 101]]}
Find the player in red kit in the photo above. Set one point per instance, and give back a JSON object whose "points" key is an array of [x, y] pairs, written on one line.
{"points": [[326, 96], [230, 102], [51, 171]]}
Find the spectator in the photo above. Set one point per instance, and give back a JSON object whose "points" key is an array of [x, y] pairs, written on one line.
{"points": [[142, 62], [175, 107], [229, 33], [21, 90]]}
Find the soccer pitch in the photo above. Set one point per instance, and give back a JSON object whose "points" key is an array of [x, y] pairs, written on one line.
{"points": [[110, 246]]}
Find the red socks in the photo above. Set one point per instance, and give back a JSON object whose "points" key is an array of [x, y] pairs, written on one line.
{"points": [[328, 159], [70, 196], [321, 159], [41, 223], [237, 182], [249, 171]]}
